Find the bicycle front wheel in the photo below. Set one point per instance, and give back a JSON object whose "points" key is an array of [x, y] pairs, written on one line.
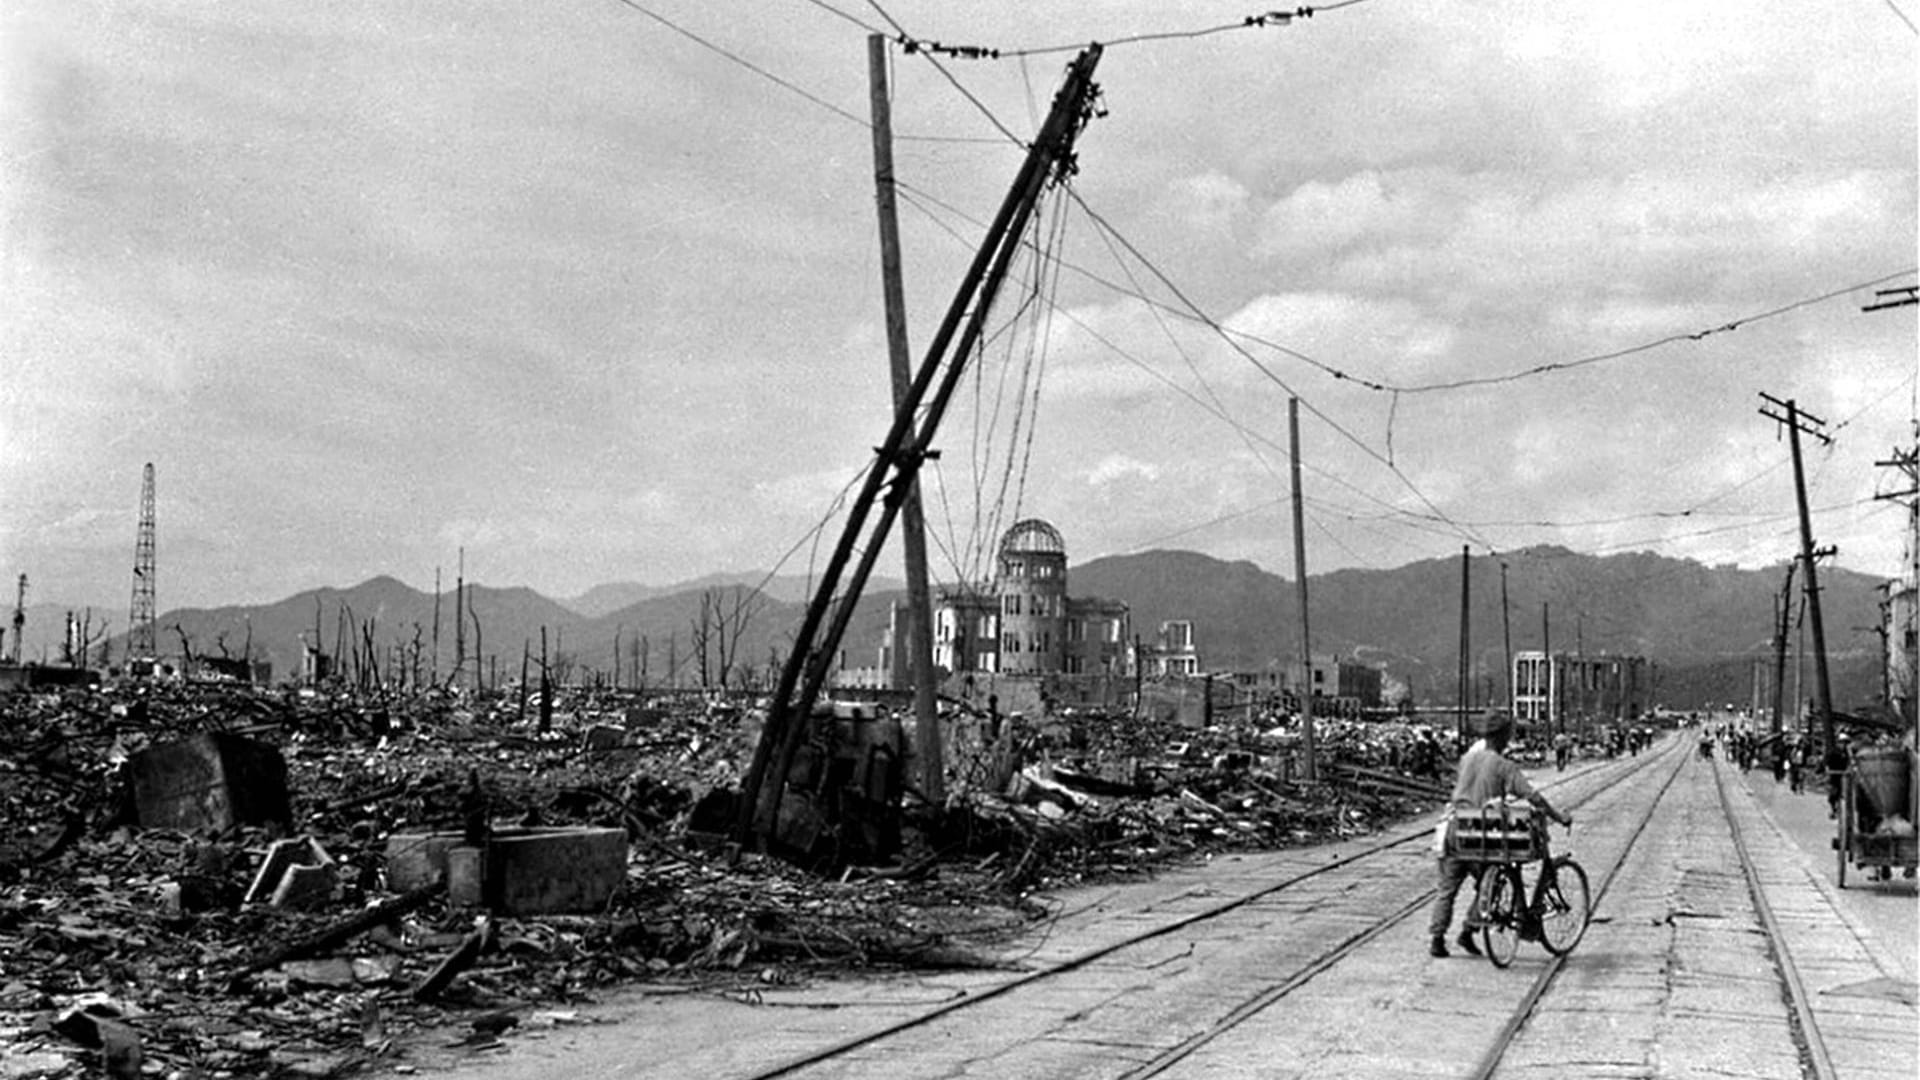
{"points": [[1565, 906], [1499, 904]]}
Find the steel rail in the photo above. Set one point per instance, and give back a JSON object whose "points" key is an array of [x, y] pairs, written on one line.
{"points": [[1241, 1013], [1807, 1032], [1253, 1006], [1522, 1012]]}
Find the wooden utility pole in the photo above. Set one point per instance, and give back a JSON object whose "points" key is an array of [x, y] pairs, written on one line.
{"points": [[1780, 650], [1309, 770], [435, 666], [546, 686], [459, 621], [899, 457], [913, 526], [1555, 722], [1506, 631], [1466, 647], [1822, 687]]}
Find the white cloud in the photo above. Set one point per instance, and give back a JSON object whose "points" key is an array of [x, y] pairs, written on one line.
{"points": [[1210, 201], [1117, 467]]}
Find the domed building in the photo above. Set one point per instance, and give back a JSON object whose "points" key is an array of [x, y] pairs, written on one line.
{"points": [[1024, 622]]}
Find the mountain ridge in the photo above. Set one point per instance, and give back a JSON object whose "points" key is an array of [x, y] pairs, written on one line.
{"points": [[1703, 627]]}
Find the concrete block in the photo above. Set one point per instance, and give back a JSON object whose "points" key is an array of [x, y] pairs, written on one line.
{"points": [[527, 871], [551, 871], [466, 876], [305, 888], [281, 856], [415, 859], [601, 737], [210, 781]]}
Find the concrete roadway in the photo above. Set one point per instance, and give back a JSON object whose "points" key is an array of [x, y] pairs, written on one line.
{"points": [[1676, 978]]}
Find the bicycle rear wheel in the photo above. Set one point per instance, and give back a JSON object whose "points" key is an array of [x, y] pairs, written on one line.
{"points": [[1565, 906], [1499, 906]]}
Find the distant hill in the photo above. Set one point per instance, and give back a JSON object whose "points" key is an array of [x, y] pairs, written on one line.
{"points": [[609, 598], [1702, 627], [45, 629]]}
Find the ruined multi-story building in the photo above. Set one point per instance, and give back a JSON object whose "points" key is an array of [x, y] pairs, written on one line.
{"points": [[1024, 622]]}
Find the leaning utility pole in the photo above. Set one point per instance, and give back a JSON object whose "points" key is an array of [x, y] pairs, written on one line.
{"points": [[1308, 770], [899, 456], [1823, 689], [913, 526]]}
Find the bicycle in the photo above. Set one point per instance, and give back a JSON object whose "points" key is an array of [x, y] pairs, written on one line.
{"points": [[1561, 907]]}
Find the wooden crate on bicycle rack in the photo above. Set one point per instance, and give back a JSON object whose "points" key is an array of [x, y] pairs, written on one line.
{"points": [[1496, 833]]}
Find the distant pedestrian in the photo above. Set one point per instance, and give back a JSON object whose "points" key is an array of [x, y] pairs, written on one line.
{"points": [[1836, 761], [1797, 767], [1779, 755], [1562, 751]]}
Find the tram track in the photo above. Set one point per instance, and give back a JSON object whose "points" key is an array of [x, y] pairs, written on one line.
{"points": [[1490, 1061], [1806, 1026], [1342, 883]]}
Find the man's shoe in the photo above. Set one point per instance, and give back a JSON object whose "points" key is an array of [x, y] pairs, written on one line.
{"points": [[1438, 947], [1466, 942]]}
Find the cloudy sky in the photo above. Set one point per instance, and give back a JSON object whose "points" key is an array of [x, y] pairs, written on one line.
{"points": [[591, 288]]}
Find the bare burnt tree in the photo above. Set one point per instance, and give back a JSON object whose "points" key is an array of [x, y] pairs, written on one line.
{"points": [[413, 664], [701, 633], [105, 639], [186, 647], [87, 639], [474, 616], [742, 606], [725, 615]]}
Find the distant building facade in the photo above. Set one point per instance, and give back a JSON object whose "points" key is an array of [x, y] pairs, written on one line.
{"points": [[1174, 652], [1338, 687], [1567, 690]]}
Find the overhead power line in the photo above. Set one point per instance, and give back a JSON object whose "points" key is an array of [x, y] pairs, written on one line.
{"points": [[1257, 21], [788, 84], [1891, 6]]}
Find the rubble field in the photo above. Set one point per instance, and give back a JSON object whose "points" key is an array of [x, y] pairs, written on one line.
{"points": [[312, 946]]}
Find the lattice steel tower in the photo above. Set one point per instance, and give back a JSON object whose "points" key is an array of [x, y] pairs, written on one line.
{"points": [[140, 644]]}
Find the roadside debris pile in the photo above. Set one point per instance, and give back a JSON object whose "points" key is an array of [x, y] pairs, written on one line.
{"points": [[220, 881]]}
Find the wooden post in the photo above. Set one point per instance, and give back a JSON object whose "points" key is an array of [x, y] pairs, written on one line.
{"points": [[546, 687], [1464, 689], [913, 530], [1506, 632], [1780, 653], [1308, 771]]}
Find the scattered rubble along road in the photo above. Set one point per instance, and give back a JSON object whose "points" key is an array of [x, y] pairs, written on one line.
{"points": [[123, 948]]}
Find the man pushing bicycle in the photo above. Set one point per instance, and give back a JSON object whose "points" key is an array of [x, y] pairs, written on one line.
{"points": [[1486, 774]]}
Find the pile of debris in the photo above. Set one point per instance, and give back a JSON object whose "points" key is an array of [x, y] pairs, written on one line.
{"points": [[217, 880]]}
